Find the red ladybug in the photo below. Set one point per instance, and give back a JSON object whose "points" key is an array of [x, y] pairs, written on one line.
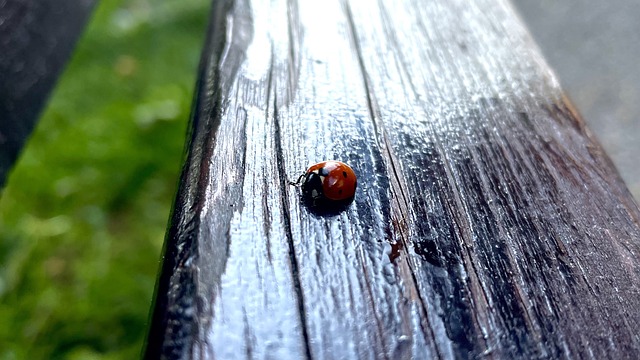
{"points": [[329, 182]]}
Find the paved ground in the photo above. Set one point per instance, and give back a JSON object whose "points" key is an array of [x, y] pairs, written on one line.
{"points": [[594, 47]]}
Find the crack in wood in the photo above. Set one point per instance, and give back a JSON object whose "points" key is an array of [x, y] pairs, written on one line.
{"points": [[396, 183], [284, 184]]}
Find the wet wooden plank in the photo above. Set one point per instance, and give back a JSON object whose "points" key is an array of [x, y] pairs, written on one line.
{"points": [[487, 222], [36, 39]]}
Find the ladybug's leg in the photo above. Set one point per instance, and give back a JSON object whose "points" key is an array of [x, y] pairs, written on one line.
{"points": [[297, 182]]}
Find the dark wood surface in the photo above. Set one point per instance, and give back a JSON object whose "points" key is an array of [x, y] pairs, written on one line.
{"points": [[36, 39], [593, 48], [487, 223]]}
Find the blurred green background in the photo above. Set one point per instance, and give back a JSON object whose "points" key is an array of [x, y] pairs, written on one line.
{"points": [[83, 215]]}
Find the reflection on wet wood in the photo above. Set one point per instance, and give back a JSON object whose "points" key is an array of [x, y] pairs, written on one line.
{"points": [[487, 221]]}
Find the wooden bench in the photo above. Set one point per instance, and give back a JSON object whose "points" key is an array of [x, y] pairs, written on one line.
{"points": [[36, 39], [487, 222]]}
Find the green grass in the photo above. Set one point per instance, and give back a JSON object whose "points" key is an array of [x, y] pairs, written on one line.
{"points": [[83, 216]]}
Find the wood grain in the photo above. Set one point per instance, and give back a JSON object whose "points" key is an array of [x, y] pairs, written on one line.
{"points": [[488, 223]]}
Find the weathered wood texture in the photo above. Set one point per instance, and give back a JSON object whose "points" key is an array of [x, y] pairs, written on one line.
{"points": [[487, 222], [594, 50], [36, 38]]}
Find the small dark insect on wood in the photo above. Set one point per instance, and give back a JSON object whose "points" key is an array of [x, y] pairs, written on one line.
{"points": [[488, 223]]}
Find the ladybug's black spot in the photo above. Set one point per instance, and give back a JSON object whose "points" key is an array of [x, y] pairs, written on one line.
{"points": [[340, 191], [344, 173]]}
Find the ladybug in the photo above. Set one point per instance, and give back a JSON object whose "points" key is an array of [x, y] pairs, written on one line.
{"points": [[328, 183]]}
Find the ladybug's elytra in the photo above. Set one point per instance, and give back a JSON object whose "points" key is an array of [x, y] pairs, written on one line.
{"points": [[328, 182]]}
